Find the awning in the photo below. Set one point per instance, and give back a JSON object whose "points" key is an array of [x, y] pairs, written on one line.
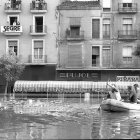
{"points": [[66, 86]]}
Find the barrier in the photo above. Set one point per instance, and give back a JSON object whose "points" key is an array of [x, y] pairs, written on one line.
{"points": [[66, 86]]}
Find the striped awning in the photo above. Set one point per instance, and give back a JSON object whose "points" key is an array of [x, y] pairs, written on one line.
{"points": [[66, 86]]}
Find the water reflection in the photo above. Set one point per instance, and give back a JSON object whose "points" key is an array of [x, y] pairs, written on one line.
{"points": [[119, 125], [69, 119]]}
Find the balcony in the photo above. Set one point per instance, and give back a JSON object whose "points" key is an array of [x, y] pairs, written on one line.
{"points": [[127, 35], [13, 8], [40, 7], [127, 8], [11, 30], [129, 63], [37, 59], [77, 36], [38, 29]]}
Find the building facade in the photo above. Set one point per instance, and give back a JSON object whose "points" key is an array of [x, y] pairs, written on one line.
{"points": [[28, 29], [72, 40], [97, 41]]}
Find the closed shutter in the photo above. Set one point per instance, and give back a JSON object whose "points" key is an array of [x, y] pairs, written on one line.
{"points": [[74, 56], [12, 43], [38, 44], [75, 21], [95, 28], [106, 56]]}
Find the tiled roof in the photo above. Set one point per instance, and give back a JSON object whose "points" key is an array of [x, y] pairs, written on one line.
{"points": [[78, 5]]}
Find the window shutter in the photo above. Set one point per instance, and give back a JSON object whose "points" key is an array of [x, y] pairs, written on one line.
{"points": [[12, 43], [76, 21], [95, 28], [38, 44]]}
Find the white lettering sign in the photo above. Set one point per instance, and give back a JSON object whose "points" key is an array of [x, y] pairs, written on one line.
{"points": [[77, 75], [127, 78]]}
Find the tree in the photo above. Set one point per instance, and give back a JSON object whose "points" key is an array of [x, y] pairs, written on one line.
{"points": [[137, 51], [10, 69]]}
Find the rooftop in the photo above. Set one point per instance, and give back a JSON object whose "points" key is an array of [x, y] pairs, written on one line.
{"points": [[79, 5]]}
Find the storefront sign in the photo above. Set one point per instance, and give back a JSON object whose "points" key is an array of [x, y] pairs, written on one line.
{"points": [[16, 28], [127, 78], [78, 75]]}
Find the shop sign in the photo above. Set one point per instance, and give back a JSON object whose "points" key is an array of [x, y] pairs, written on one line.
{"points": [[78, 75], [11, 28], [127, 78]]}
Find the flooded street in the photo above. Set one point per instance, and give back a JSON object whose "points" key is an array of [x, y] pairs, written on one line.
{"points": [[69, 118]]}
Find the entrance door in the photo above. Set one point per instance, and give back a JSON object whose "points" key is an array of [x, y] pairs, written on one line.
{"points": [[39, 24]]}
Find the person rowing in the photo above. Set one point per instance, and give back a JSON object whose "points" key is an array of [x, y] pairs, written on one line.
{"points": [[114, 93]]}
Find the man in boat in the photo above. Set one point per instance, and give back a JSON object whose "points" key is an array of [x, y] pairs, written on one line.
{"points": [[133, 93], [114, 93]]}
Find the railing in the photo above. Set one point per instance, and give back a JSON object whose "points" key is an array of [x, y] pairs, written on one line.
{"points": [[37, 59], [127, 7], [38, 29], [70, 35], [38, 6], [14, 6], [127, 34]]}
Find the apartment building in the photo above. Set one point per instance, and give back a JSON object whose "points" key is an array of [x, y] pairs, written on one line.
{"points": [[126, 21], [97, 40], [79, 45], [28, 29]]}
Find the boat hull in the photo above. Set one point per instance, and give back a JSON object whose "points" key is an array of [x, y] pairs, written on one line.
{"points": [[118, 106]]}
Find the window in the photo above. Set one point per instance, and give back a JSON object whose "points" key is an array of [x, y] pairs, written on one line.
{"points": [[38, 50], [95, 28], [106, 56], [95, 56], [75, 56], [127, 3], [127, 26], [75, 27], [106, 28], [75, 31], [38, 24], [13, 19], [127, 54], [13, 47], [106, 5]]}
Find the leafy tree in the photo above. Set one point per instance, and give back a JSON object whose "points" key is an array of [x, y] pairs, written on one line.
{"points": [[10, 69], [137, 51]]}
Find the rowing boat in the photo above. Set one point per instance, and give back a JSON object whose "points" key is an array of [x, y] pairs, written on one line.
{"points": [[114, 105]]}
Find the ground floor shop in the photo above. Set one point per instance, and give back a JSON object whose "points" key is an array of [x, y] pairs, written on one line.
{"points": [[99, 75]]}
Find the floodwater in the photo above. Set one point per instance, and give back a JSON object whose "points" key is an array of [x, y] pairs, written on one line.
{"points": [[65, 118]]}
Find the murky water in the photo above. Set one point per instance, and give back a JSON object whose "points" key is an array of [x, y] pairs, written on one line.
{"points": [[65, 119]]}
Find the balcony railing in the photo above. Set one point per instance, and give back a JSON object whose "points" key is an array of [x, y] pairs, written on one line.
{"points": [[74, 36], [127, 7], [127, 34], [37, 59], [38, 29], [38, 7], [11, 30], [15, 7]]}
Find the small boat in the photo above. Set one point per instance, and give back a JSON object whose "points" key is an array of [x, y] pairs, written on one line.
{"points": [[118, 106]]}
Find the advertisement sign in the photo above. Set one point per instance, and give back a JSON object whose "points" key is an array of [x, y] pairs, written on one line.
{"points": [[127, 78], [11, 28]]}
